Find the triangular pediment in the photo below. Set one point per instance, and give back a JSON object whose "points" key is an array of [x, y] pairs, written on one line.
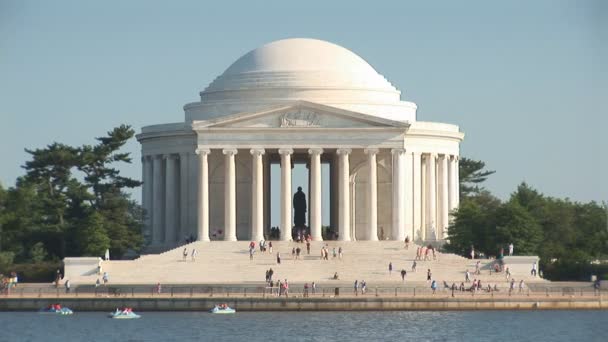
{"points": [[300, 114]]}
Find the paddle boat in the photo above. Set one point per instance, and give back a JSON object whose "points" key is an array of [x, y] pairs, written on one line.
{"points": [[56, 309], [222, 309], [125, 313]]}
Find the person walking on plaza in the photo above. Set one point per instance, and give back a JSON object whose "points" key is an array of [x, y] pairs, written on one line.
{"points": [[159, 288], [414, 266], [510, 249], [533, 271], [390, 268], [521, 286], [306, 290], [477, 270], [333, 252], [434, 286], [363, 287], [251, 250], [270, 247], [298, 251], [194, 254], [67, 286], [467, 276], [356, 288], [407, 242], [428, 275], [508, 273], [279, 258], [403, 273], [313, 287], [185, 254], [308, 246], [340, 253], [105, 278]]}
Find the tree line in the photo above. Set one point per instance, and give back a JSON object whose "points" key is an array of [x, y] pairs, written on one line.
{"points": [[72, 201], [571, 238]]}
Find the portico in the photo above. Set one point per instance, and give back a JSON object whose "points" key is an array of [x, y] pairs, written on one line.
{"points": [[392, 176]]}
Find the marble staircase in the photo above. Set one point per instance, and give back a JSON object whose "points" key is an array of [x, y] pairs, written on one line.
{"points": [[222, 262]]}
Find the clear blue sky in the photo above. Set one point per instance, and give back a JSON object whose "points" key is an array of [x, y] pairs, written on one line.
{"points": [[527, 81]]}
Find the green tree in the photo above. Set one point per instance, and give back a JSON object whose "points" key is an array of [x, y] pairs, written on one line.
{"points": [[474, 225], [514, 224], [472, 174], [53, 205], [90, 235], [38, 253]]}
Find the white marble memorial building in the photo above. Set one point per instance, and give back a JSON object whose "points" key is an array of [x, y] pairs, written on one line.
{"points": [[299, 100]]}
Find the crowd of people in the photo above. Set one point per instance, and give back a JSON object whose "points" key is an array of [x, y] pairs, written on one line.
{"points": [[7, 283]]}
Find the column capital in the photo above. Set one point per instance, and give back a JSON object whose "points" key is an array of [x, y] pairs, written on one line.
{"points": [[285, 151], [201, 151], [398, 151], [183, 154], [315, 151], [169, 156], [344, 151], [371, 151], [257, 151], [229, 151]]}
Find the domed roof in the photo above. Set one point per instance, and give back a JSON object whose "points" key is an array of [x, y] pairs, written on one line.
{"points": [[300, 63], [300, 54]]}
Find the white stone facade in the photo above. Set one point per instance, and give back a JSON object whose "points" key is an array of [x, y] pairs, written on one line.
{"points": [[308, 101]]}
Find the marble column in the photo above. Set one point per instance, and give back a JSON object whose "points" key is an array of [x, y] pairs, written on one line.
{"points": [[431, 197], [147, 191], [315, 194], [202, 223], [408, 193], [372, 194], [423, 195], [257, 194], [456, 181], [171, 227], [443, 197], [398, 231], [183, 196], [158, 200], [286, 225], [229, 194], [417, 195], [450, 183], [344, 194]]}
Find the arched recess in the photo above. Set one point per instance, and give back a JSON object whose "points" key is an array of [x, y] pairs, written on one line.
{"points": [[385, 198], [243, 195]]}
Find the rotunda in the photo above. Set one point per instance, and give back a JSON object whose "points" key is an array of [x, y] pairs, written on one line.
{"points": [[299, 100]]}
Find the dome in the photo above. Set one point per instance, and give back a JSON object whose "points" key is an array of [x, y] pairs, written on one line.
{"points": [[289, 70], [300, 63], [301, 54]]}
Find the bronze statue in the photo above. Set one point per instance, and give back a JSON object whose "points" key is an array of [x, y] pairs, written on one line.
{"points": [[299, 206]]}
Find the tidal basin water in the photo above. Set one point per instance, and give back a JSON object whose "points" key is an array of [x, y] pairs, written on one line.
{"points": [[513, 326]]}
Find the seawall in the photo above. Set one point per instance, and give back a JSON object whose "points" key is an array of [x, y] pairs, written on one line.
{"points": [[307, 304]]}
